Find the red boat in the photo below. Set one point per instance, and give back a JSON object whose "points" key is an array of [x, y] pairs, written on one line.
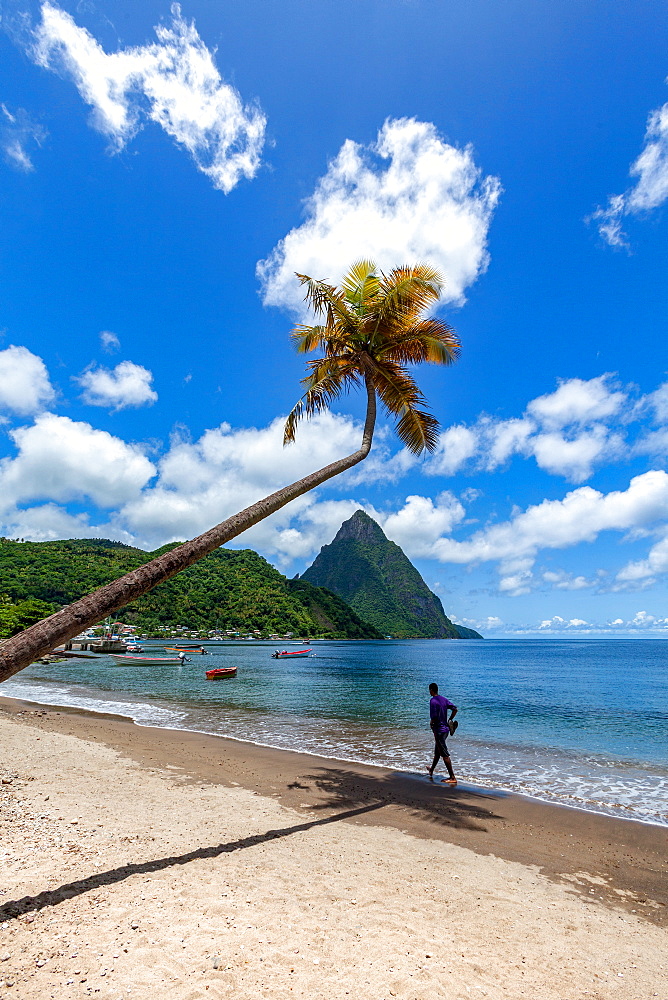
{"points": [[285, 654], [219, 672]]}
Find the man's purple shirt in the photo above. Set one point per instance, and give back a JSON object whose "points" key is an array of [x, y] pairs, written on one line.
{"points": [[438, 713]]}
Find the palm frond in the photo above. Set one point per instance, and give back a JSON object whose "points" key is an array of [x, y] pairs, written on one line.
{"points": [[307, 338], [418, 430], [335, 371], [408, 291], [326, 300], [361, 283], [293, 418], [401, 397], [328, 379], [395, 386], [430, 340]]}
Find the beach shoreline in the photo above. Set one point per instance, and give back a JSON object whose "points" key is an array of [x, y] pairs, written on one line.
{"points": [[592, 800], [141, 862], [626, 856]]}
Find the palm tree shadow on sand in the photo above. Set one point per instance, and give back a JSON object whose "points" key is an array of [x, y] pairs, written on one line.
{"points": [[352, 795], [18, 907]]}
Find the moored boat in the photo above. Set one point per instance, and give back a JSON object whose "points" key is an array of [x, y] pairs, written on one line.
{"points": [[144, 661], [284, 654], [186, 649], [190, 646], [218, 673]]}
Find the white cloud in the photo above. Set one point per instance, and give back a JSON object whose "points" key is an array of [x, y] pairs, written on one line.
{"points": [[658, 401], [315, 522], [557, 625], [24, 381], [574, 458], [515, 584], [644, 572], [409, 196], [549, 622], [62, 460], [491, 623], [653, 443], [199, 483], [48, 522], [420, 520], [125, 385], [202, 482], [301, 536], [651, 187], [17, 134], [382, 465], [455, 446], [174, 82], [555, 524], [577, 401], [562, 430], [503, 439], [109, 341], [564, 581]]}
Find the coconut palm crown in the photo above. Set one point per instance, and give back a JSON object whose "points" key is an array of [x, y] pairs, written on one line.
{"points": [[372, 328]]}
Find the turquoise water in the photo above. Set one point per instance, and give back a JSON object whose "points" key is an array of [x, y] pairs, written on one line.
{"points": [[580, 722]]}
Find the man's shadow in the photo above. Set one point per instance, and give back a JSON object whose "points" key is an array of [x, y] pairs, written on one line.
{"points": [[463, 807]]}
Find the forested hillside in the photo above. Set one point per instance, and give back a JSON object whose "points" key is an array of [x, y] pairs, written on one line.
{"points": [[226, 590]]}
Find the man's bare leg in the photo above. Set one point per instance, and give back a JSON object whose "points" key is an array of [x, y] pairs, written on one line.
{"points": [[450, 780], [437, 756]]}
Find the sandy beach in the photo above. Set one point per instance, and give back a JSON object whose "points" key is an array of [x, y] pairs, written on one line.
{"points": [[142, 862]]}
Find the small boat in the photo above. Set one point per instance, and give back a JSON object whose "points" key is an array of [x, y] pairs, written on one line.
{"points": [[186, 649], [144, 661], [284, 654], [219, 672], [192, 647]]}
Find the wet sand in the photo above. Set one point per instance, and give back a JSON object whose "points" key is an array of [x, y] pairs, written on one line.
{"points": [[447, 889]]}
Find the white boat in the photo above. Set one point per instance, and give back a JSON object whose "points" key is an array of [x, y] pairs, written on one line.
{"points": [[144, 661]]}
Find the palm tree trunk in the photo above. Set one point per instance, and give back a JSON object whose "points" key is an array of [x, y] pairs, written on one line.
{"points": [[41, 638]]}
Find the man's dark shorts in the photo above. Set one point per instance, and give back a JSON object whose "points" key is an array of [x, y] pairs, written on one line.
{"points": [[441, 745]]}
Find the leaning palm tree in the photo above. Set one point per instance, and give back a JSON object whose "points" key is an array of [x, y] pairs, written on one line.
{"points": [[371, 329]]}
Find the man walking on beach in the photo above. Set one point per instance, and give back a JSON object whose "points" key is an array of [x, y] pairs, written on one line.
{"points": [[441, 727]]}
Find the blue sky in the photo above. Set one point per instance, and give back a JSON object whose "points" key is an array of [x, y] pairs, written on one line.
{"points": [[164, 171]]}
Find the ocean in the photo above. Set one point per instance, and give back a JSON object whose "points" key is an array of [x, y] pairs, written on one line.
{"points": [[582, 723]]}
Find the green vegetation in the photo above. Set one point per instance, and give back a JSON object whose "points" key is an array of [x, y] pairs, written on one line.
{"points": [[17, 615], [467, 633], [379, 582], [227, 590]]}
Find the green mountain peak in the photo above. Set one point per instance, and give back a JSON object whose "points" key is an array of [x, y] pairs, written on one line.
{"points": [[361, 528], [377, 580]]}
